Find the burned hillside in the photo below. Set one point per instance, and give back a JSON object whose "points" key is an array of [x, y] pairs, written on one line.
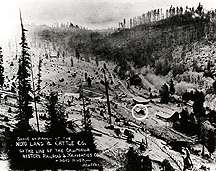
{"points": [[142, 95]]}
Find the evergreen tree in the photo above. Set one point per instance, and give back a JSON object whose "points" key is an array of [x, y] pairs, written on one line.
{"points": [[87, 123], [211, 142], [167, 166], [58, 54], [214, 86], [56, 118], [63, 56], [24, 87], [124, 21], [172, 87], [184, 120], [77, 53], [1, 69], [39, 75], [97, 60], [209, 66], [198, 108], [132, 162], [88, 131], [164, 94], [89, 82], [72, 64]]}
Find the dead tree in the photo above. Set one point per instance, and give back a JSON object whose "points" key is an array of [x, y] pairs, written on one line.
{"points": [[107, 94]]}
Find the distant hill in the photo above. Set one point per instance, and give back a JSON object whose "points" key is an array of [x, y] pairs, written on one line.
{"points": [[150, 44]]}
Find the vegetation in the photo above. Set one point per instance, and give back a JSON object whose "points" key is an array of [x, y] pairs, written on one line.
{"points": [[167, 166], [131, 160], [136, 162], [165, 94], [129, 49], [172, 87], [24, 87], [141, 46], [198, 109], [162, 66], [211, 142], [56, 119], [87, 125], [214, 87], [178, 69], [1, 69], [39, 75]]}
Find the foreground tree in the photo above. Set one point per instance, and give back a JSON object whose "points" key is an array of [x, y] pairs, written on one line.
{"points": [[24, 87], [97, 61], [207, 137], [211, 142], [72, 63], [164, 94], [172, 87], [39, 75], [136, 162], [167, 166], [77, 54], [56, 119], [198, 108], [131, 160], [87, 125], [1, 69], [214, 87]]}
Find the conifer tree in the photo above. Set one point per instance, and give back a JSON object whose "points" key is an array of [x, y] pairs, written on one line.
{"points": [[211, 142], [72, 63], [58, 54], [24, 87], [63, 57], [167, 166], [132, 162], [198, 108], [164, 94], [97, 61], [87, 123], [56, 118], [77, 53], [214, 87], [172, 87], [39, 75], [1, 69]]}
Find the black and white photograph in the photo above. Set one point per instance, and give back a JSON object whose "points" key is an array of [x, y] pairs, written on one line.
{"points": [[108, 85]]}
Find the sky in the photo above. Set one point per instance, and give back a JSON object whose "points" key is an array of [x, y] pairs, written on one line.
{"points": [[94, 14]]}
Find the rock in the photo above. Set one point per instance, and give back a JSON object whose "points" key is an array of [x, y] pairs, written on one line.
{"points": [[61, 80]]}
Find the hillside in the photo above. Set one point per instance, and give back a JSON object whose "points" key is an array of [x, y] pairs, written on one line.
{"points": [[137, 65]]}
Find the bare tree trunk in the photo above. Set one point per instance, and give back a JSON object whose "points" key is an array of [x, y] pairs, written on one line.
{"points": [[203, 150]]}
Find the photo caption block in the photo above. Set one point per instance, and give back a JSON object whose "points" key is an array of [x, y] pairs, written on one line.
{"points": [[47, 152]]}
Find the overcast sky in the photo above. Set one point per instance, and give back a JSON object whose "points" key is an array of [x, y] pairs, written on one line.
{"points": [[96, 13], [88, 13]]}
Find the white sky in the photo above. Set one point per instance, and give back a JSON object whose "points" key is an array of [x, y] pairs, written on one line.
{"points": [[90, 13]]}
